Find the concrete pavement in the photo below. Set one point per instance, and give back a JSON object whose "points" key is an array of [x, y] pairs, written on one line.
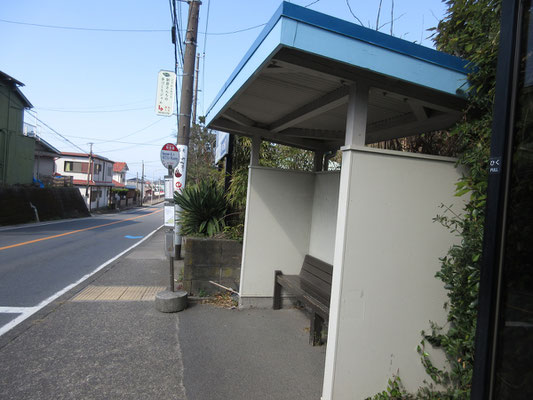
{"points": [[84, 347]]}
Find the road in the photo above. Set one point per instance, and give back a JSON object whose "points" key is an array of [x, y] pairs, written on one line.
{"points": [[39, 262]]}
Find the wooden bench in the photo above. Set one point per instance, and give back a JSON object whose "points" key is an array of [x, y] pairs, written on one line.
{"points": [[312, 287]]}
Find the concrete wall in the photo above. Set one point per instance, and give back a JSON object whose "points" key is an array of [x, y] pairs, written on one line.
{"points": [[384, 291], [277, 232], [324, 215]]}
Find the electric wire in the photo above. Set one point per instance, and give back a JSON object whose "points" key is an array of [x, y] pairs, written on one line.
{"points": [[135, 145], [92, 112], [313, 2], [56, 132], [77, 28], [96, 107], [128, 30]]}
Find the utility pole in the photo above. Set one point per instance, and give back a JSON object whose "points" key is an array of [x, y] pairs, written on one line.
{"points": [[195, 102], [142, 183], [88, 191], [184, 125]]}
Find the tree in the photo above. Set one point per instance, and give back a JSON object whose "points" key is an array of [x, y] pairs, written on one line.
{"points": [[201, 156]]}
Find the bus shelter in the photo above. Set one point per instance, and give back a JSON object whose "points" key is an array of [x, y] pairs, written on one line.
{"points": [[320, 83]]}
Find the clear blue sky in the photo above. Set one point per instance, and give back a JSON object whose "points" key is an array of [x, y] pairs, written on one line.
{"points": [[100, 86]]}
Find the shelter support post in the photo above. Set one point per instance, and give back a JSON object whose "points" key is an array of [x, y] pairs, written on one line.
{"points": [[256, 147], [355, 136], [319, 161], [357, 115]]}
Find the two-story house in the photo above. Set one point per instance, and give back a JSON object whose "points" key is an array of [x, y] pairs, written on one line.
{"points": [[93, 175], [119, 174]]}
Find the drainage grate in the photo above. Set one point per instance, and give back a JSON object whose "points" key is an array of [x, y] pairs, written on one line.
{"points": [[118, 293]]}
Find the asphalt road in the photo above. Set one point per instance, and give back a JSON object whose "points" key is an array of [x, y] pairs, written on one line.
{"points": [[38, 262]]}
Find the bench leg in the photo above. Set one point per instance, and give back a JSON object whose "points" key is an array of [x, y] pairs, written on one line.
{"points": [[276, 304], [315, 330]]}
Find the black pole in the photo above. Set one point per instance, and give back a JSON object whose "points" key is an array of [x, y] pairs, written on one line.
{"points": [[500, 160]]}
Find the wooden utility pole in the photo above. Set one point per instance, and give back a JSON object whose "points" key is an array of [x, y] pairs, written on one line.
{"points": [[195, 102], [184, 125]]}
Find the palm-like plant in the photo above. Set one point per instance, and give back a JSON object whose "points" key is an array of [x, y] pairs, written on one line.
{"points": [[203, 209]]}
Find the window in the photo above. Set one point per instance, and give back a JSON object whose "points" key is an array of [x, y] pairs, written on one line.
{"points": [[97, 168], [74, 166]]}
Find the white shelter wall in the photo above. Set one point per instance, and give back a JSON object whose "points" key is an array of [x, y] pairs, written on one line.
{"points": [[384, 286], [324, 215], [278, 224]]}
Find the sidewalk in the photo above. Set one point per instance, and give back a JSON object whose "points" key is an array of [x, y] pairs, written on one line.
{"points": [[105, 340]]}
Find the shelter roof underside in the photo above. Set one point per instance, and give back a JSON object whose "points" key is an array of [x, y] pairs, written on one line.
{"points": [[299, 100], [297, 96]]}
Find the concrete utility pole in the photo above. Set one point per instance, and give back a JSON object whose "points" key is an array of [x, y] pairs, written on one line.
{"points": [[142, 183], [89, 170], [184, 125]]}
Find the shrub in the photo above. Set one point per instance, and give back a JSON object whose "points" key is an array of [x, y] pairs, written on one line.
{"points": [[203, 209]]}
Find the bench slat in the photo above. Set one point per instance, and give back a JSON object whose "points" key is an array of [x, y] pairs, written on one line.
{"points": [[324, 288], [297, 287], [312, 287], [321, 265], [319, 273]]}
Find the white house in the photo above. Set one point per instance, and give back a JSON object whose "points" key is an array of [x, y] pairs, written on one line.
{"points": [[119, 174], [93, 175], [323, 84]]}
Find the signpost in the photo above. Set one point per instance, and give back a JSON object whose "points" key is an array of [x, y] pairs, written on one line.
{"points": [[166, 84], [222, 146], [170, 156]]}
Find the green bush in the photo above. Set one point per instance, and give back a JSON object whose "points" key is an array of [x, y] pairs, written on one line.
{"points": [[203, 209]]}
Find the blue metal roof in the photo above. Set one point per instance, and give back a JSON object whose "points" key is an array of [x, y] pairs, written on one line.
{"points": [[349, 30]]}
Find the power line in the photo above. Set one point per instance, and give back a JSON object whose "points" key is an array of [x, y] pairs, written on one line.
{"points": [[119, 141], [77, 28], [140, 130], [92, 112], [232, 32], [99, 107], [56, 132], [313, 2]]}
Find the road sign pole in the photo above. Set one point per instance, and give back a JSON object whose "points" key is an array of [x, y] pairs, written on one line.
{"points": [[170, 300]]}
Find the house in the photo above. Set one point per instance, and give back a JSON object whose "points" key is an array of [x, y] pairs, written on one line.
{"points": [[16, 150], [119, 174], [322, 84], [45, 155], [92, 174]]}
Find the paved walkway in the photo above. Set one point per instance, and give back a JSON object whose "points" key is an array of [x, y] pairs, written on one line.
{"points": [[105, 340]]}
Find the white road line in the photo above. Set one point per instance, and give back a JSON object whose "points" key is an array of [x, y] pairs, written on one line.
{"points": [[15, 310], [29, 311]]}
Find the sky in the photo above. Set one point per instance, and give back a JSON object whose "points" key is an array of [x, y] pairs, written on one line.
{"points": [[90, 68]]}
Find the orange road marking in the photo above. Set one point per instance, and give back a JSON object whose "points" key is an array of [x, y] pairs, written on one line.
{"points": [[76, 231]]}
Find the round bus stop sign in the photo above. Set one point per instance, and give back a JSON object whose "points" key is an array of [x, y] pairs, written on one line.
{"points": [[170, 155]]}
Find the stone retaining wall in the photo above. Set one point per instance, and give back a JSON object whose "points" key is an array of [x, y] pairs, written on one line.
{"points": [[206, 259]]}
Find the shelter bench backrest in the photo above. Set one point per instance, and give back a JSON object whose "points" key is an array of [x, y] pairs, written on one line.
{"points": [[317, 275]]}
